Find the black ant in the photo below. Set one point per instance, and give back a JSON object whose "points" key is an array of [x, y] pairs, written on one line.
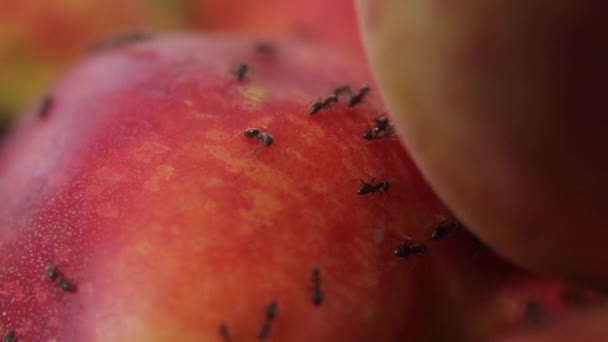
{"points": [[266, 139], [408, 248], [64, 283], [444, 228], [342, 89], [358, 97], [9, 336], [45, 106], [240, 70], [224, 333], [271, 309], [271, 312], [317, 297], [322, 104], [382, 129], [373, 187]]}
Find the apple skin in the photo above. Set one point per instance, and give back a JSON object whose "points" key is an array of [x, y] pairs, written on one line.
{"points": [[141, 188]]}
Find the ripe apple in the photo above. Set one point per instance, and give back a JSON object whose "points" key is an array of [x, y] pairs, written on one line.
{"points": [[140, 207]]}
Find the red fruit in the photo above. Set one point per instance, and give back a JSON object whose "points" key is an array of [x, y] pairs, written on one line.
{"points": [[140, 186]]}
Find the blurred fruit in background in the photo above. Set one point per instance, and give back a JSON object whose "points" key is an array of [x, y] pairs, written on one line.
{"points": [[40, 38]]}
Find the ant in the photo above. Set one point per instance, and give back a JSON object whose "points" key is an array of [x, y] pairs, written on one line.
{"points": [[382, 129], [322, 104], [342, 89], [9, 336], [444, 228], [266, 139], [240, 70], [373, 187], [358, 97], [271, 312], [64, 283], [408, 248], [317, 296], [224, 333]]}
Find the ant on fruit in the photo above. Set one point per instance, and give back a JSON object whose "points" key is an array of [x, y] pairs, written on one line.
{"points": [[405, 249], [357, 97], [240, 70], [317, 297], [53, 274], [445, 227], [224, 333], [264, 138], [383, 129], [271, 312], [316, 106], [372, 187]]}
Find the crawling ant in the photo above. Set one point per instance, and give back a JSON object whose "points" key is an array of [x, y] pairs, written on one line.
{"points": [[224, 333], [53, 274], [342, 89], [383, 129], [240, 70], [444, 228], [9, 336], [66, 285], [266, 139], [316, 106], [358, 97], [265, 331], [408, 248], [317, 296], [373, 187], [271, 312], [45, 106], [271, 309]]}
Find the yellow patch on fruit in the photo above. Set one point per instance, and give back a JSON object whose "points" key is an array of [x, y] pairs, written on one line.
{"points": [[264, 207], [149, 150], [253, 95], [163, 174]]}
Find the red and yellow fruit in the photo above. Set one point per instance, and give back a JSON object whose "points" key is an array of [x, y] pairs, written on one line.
{"points": [[141, 188]]}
